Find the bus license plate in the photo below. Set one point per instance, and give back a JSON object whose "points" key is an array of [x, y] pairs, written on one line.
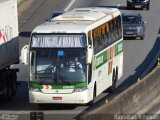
{"points": [[129, 33], [137, 6], [56, 98]]}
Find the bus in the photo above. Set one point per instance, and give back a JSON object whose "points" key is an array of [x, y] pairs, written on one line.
{"points": [[75, 56]]}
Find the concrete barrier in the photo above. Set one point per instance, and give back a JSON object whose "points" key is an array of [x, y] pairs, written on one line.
{"points": [[130, 100]]}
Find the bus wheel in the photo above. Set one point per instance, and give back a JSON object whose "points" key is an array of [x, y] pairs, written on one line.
{"points": [[114, 81]]}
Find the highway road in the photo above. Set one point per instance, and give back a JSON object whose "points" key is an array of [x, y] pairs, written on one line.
{"points": [[137, 54]]}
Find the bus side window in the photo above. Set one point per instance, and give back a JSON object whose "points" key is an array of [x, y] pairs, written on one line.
{"points": [[117, 27], [120, 27], [103, 36], [95, 40], [89, 38], [107, 34], [110, 33], [113, 30]]}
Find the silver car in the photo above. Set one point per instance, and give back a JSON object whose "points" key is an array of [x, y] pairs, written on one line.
{"points": [[133, 26], [54, 14]]}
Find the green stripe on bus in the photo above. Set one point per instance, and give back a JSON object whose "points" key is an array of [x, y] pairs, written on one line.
{"points": [[35, 85], [79, 85], [119, 48], [103, 57]]}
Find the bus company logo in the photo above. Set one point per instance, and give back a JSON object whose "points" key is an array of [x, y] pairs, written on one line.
{"points": [[99, 60], [5, 34], [46, 87], [2, 37], [68, 87]]}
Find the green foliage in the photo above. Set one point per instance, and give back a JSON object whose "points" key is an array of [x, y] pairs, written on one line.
{"points": [[20, 2]]}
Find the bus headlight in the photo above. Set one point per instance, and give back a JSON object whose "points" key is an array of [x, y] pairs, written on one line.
{"points": [[35, 90], [80, 89]]}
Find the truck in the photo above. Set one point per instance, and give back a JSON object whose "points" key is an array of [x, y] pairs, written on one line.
{"points": [[9, 48]]}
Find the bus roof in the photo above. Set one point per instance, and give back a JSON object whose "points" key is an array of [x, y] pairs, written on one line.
{"points": [[78, 20]]}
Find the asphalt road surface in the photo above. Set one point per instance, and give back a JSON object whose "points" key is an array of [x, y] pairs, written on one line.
{"points": [[137, 55]]}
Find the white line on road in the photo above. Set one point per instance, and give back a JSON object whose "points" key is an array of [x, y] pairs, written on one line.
{"points": [[158, 112], [70, 4], [154, 116]]}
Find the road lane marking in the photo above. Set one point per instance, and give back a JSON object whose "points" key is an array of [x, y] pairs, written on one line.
{"points": [[158, 112], [70, 4]]}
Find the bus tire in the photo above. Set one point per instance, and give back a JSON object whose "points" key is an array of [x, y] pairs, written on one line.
{"points": [[114, 81]]}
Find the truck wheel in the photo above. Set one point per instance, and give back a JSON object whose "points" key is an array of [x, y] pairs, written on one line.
{"points": [[4, 95], [9, 86], [6, 88], [14, 83]]}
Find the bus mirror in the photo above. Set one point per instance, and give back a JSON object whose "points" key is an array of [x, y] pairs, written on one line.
{"points": [[89, 54], [24, 55]]}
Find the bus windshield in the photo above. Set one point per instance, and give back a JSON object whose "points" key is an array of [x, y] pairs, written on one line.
{"points": [[58, 66]]}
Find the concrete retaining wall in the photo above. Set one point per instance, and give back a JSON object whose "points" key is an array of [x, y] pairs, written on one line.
{"points": [[130, 100]]}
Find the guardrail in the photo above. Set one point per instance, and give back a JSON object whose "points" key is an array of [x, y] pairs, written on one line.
{"points": [[130, 100]]}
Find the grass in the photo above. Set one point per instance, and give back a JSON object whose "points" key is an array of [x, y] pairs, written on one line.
{"points": [[20, 3]]}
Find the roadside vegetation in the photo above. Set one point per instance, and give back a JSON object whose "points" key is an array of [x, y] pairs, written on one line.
{"points": [[20, 2]]}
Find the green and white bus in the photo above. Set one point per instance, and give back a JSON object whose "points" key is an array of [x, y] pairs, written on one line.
{"points": [[75, 57]]}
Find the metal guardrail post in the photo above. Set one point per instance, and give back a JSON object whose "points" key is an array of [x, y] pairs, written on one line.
{"points": [[138, 80], [158, 61], [107, 101]]}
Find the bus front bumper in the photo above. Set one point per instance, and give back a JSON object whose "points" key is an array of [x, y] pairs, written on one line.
{"points": [[72, 98]]}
